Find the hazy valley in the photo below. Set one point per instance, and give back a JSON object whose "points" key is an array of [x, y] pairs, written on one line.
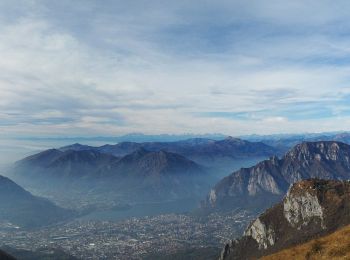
{"points": [[149, 200]]}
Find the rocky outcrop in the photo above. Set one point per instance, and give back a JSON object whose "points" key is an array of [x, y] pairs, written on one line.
{"points": [[299, 210], [212, 197], [264, 184], [310, 209]]}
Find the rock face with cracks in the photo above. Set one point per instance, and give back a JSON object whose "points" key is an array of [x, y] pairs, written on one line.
{"points": [[310, 209]]}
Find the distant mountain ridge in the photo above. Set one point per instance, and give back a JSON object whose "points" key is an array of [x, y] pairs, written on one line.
{"points": [[265, 183], [91, 163], [222, 156], [310, 209], [288, 141], [132, 171], [140, 175], [230, 146], [133, 137]]}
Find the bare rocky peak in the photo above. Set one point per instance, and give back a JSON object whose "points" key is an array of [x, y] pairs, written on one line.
{"points": [[311, 208], [270, 179], [328, 150]]}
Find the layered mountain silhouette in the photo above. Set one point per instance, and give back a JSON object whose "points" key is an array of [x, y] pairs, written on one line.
{"points": [[229, 146], [284, 142], [89, 163], [311, 208], [157, 175], [265, 183], [212, 153], [21, 208]]}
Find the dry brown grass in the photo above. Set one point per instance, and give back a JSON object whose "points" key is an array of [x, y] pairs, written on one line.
{"points": [[333, 246]]}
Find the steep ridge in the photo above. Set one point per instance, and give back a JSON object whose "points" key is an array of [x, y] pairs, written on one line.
{"points": [[20, 207], [311, 208], [265, 183]]}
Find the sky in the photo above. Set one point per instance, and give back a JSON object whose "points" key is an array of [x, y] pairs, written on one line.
{"points": [[107, 68]]}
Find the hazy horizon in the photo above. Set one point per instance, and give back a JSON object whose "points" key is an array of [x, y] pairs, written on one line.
{"points": [[13, 149]]}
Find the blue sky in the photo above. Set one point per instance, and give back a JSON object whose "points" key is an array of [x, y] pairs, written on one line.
{"points": [[84, 68]]}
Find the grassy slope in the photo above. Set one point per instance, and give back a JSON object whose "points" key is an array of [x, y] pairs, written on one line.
{"points": [[333, 246]]}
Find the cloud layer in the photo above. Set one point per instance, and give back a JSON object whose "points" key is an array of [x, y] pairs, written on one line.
{"points": [[107, 68]]}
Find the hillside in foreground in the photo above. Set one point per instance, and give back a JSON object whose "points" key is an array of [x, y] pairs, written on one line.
{"points": [[333, 246], [311, 209]]}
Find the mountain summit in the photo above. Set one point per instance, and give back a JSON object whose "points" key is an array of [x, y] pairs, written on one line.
{"points": [[147, 163]]}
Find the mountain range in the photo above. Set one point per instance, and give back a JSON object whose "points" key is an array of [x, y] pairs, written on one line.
{"points": [[311, 208], [75, 164], [138, 176], [260, 186], [151, 170], [283, 142], [208, 152]]}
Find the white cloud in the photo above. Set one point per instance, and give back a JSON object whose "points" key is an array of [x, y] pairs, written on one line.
{"points": [[151, 67]]}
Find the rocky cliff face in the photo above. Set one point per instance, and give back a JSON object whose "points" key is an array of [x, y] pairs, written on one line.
{"points": [[267, 182], [300, 209], [310, 208]]}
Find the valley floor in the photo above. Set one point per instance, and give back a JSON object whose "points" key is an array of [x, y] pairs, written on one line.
{"points": [[135, 238]]}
